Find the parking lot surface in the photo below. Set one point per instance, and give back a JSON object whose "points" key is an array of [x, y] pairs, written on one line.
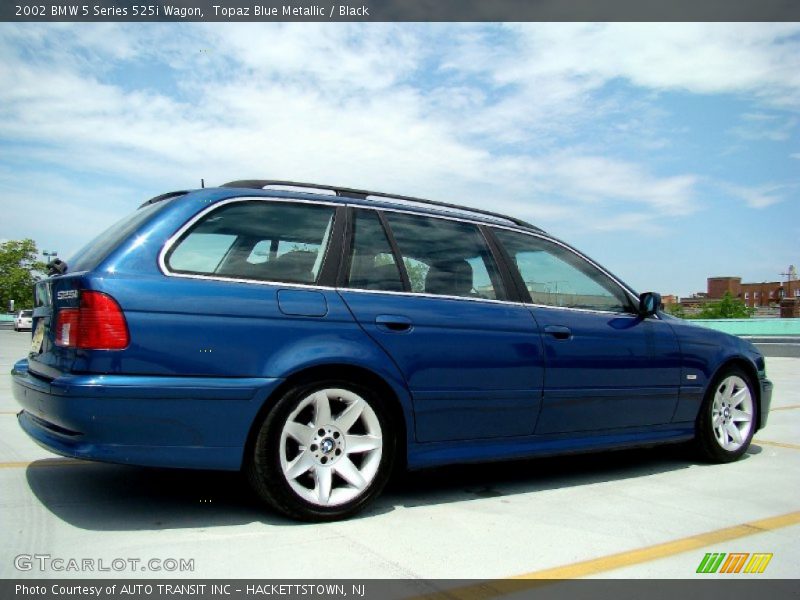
{"points": [[642, 513]]}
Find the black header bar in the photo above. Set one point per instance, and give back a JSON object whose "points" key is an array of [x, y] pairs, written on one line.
{"points": [[397, 10]]}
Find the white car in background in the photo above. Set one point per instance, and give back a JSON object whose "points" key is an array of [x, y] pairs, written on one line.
{"points": [[23, 320]]}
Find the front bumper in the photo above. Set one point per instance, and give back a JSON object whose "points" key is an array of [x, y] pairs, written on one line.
{"points": [[766, 401], [188, 422]]}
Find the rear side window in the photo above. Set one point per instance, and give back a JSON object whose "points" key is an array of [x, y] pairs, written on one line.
{"points": [[444, 257], [267, 241]]}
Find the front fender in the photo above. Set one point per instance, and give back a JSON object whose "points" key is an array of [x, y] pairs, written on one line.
{"points": [[704, 352]]}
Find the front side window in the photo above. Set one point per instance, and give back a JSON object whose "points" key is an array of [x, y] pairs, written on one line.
{"points": [[268, 241], [444, 257], [556, 276]]}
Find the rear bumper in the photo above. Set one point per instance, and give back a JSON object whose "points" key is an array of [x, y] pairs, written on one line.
{"points": [[766, 401], [187, 422]]}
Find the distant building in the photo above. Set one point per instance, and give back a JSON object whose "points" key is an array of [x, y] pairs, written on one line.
{"points": [[768, 298], [754, 295], [670, 299], [695, 303]]}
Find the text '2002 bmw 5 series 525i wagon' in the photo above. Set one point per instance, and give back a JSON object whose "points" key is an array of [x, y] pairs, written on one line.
{"points": [[315, 336]]}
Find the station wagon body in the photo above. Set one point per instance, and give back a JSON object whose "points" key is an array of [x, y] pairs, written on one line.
{"points": [[316, 336]]}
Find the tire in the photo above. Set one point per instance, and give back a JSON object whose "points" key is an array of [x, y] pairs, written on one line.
{"points": [[323, 452], [727, 419]]}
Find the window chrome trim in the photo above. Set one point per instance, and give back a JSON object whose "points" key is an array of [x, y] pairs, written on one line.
{"points": [[543, 236], [311, 286], [585, 310], [274, 283], [424, 295], [162, 255]]}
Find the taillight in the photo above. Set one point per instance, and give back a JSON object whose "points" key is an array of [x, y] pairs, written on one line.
{"points": [[98, 324]]}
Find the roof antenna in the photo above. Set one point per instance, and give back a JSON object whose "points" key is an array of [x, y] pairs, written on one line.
{"points": [[202, 183]]}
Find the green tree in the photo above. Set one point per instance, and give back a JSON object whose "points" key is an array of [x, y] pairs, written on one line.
{"points": [[676, 310], [416, 270], [726, 308], [416, 273], [19, 270]]}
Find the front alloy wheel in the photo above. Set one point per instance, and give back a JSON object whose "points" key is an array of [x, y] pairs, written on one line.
{"points": [[732, 413], [323, 452], [727, 419]]}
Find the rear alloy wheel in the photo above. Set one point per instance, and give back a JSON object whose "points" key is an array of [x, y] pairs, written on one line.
{"points": [[323, 453], [727, 420]]}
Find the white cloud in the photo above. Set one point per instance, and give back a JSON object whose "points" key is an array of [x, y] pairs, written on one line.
{"points": [[698, 57], [547, 75], [461, 113], [763, 126], [759, 196], [66, 214]]}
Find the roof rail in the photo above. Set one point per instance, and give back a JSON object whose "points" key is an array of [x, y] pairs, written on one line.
{"points": [[364, 194], [163, 197]]}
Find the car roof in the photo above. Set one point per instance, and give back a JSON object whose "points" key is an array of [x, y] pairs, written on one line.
{"points": [[342, 195]]}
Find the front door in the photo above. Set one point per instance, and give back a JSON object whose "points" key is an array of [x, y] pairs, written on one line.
{"points": [[606, 367]]}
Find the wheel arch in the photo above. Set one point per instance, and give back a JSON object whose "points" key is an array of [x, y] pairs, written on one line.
{"points": [[401, 412]]}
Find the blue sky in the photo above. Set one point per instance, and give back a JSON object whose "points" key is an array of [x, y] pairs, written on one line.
{"points": [[668, 152]]}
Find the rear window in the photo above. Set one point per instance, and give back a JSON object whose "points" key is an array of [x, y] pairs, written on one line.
{"points": [[266, 241], [93, 253]]}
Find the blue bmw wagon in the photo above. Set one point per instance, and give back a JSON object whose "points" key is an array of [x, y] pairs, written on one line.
{"points": [[314, 337]]}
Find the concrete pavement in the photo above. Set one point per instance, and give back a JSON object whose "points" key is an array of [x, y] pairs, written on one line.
{"points": [[624, 514]]}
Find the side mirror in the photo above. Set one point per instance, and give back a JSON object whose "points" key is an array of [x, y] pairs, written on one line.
{"points": [[649, 303]]}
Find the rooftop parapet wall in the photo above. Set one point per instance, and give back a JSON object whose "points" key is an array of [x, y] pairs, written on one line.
{"points": [[754, 327]]}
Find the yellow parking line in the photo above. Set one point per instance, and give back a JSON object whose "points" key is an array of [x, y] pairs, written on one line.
{"points": [[7, 412], [47, 462], [778, 444], [693, 542], [792, 407], [502, 587]]}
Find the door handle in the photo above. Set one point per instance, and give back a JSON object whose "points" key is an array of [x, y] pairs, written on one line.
{"points": [[559, 332], [393, 323]]}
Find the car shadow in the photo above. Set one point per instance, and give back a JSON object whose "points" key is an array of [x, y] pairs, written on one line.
{"points": [[491, 480], [110, 497], [106, 497]]}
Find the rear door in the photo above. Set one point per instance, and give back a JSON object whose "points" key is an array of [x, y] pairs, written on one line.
{"points": [[429, 292], [606, 367]]}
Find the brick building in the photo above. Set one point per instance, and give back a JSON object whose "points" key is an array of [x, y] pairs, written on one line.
{"points": [[669, 299], [767, 293]]}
